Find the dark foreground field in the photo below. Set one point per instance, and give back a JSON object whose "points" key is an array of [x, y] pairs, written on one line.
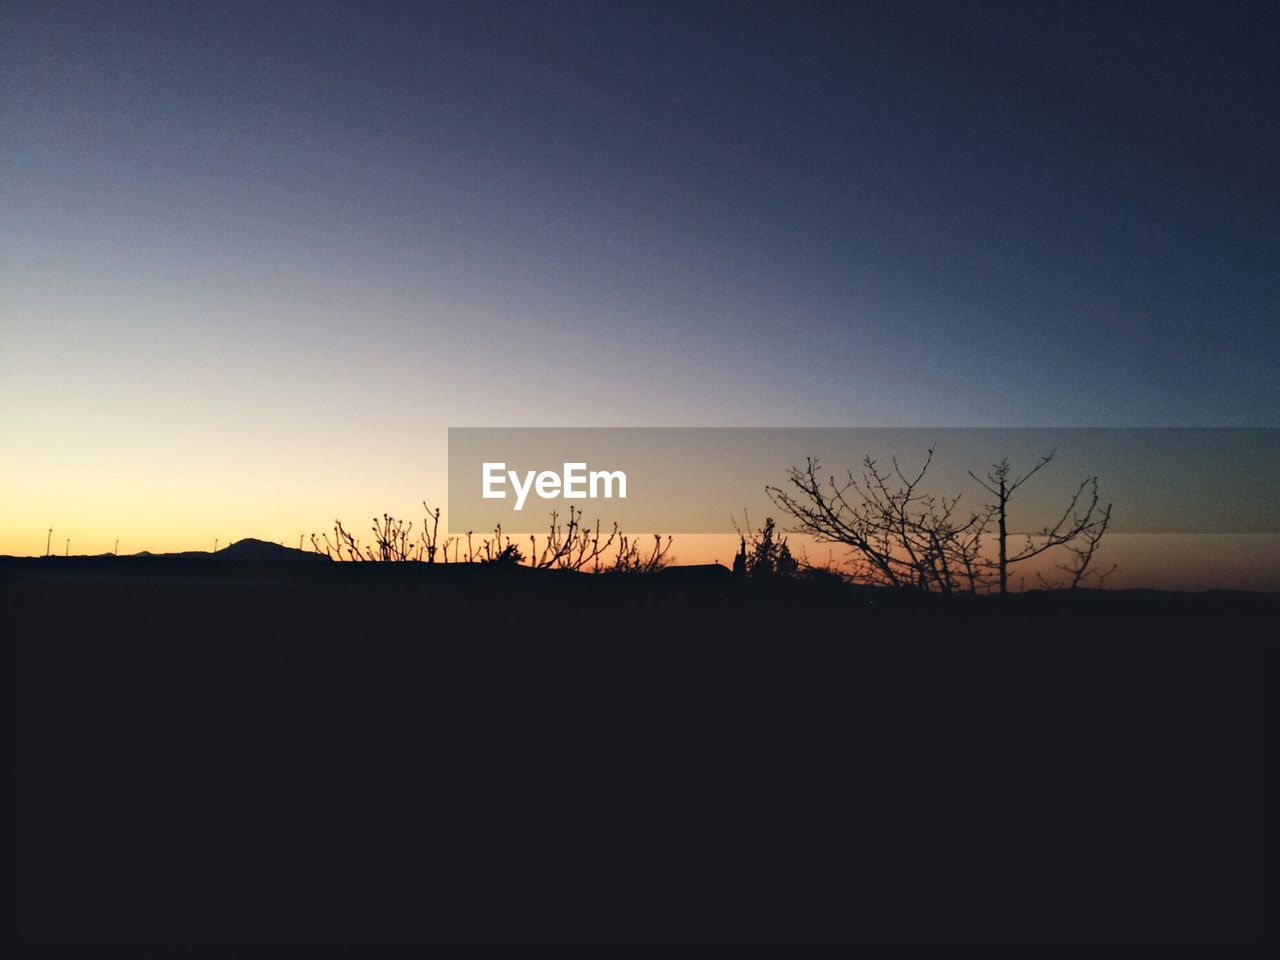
{"points": [[216, 751]]}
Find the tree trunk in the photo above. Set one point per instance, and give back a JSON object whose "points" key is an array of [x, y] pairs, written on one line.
{"points": [[1004, 562]]}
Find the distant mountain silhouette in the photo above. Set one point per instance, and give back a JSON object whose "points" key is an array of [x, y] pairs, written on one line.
{"points": [[249, 550], [259, 551]]}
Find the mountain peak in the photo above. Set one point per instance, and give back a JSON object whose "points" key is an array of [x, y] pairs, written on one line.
{"points": [[263, 550]]}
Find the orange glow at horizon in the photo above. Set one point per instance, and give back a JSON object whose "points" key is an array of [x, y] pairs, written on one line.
{"points": [[165, 513]]}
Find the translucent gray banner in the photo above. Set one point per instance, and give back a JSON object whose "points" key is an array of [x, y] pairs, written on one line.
{"points": [[698, 479]]}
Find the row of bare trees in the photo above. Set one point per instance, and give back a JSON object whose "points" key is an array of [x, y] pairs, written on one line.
{"points": [[901, 535], [572, 544]]}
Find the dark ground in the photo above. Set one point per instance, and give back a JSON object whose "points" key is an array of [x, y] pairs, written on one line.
{"points": [[215, 751]]}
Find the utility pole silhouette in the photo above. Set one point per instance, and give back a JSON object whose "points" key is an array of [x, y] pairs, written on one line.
{"points": [[67, 551], [116, 551], [48, 543]]}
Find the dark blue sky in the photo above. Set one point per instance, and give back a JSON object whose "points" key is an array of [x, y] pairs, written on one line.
{"points": [[364, 218]]}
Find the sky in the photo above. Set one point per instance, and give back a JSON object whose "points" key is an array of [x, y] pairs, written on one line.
{"points": [[255, 259]]}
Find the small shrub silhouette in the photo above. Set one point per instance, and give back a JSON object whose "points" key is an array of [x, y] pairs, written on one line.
{"points": [[574, 545], [762, 555]]}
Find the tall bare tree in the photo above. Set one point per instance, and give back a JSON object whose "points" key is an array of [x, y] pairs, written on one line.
{"points": [[1084, 519], [904, 536], [901, 535]]}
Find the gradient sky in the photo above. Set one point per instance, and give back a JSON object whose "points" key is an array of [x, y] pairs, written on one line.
{"points": [[255, 258]]}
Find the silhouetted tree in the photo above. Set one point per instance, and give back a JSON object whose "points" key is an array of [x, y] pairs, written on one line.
{"points": [[761, 554], [392, 541], [572, 545], [1083, 520], [506, 554], [631, 558], [903, 536]]}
